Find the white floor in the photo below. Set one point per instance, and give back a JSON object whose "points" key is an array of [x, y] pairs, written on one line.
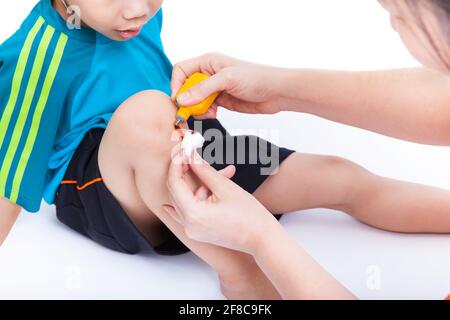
{"points": [[43, 259]]}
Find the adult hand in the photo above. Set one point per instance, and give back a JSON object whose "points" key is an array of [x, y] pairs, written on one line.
{"points": [[219, 212], [246, 87]]}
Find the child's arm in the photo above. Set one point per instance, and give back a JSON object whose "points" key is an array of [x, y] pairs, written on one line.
{"points": [[8, 216], [410, 104]]}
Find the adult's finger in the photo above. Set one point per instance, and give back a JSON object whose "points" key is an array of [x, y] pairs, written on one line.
{"points": [[218, 82], [232, 103], [209, 177], [203, 193], [178, 188], [210, 114], [209, 64], [183, 70]]}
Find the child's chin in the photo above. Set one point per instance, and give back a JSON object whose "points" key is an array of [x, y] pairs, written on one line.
{"points": [[116, 37], [112, 36]]}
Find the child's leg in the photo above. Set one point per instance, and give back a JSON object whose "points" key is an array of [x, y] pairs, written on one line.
{"points": [[311, 181], [134, 157]]}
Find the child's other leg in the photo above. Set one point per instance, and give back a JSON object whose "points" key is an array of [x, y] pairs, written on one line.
{"points": [[134, 157], [310, 181]]}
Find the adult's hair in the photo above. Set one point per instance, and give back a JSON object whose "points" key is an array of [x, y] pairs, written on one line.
{"points": [[442, 4]]}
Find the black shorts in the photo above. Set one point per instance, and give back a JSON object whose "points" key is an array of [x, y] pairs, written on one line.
{"points": [[84, 203]]}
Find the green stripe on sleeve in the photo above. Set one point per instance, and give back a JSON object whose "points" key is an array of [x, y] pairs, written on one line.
{"points": [[17, 78], [48, 83], [25, 108]]}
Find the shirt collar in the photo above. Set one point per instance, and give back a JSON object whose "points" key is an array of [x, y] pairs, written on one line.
{"points": [[85, 33]]}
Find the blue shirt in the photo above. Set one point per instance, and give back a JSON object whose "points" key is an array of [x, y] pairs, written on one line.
{"points": [[55, 85]]}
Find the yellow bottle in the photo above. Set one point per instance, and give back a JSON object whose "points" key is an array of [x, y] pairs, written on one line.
{"points": [[184, 113]]}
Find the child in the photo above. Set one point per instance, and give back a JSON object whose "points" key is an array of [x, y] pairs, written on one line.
{"points": [[61, 86]]}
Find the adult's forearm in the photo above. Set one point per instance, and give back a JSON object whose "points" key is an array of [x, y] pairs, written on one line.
{"points": [[293, 272], [409, 104]]}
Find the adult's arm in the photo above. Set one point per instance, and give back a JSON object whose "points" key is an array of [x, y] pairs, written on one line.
{"points": [[409, 104], [223, 214]]}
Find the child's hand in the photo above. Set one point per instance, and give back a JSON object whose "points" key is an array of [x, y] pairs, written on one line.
{"points": [[220, 212], [246, 87]]}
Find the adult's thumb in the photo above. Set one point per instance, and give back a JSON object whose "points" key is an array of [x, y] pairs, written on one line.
{"points": [[203, 90]]}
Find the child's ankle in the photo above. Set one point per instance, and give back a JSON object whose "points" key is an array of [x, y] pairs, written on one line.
{"points": [[249, 285]]}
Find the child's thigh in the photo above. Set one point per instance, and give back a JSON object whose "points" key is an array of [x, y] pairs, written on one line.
{"points": [[306, 181], [137, 140]]}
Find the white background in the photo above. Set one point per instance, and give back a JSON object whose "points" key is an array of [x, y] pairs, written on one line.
{"points": [[43, 259]]}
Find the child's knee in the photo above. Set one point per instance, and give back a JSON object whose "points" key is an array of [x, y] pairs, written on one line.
{"points": [[349, 176], [341, 166], [148, 110], [146, 119]]}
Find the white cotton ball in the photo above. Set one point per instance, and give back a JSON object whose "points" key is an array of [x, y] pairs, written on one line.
{"points": [[191, 142]]}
